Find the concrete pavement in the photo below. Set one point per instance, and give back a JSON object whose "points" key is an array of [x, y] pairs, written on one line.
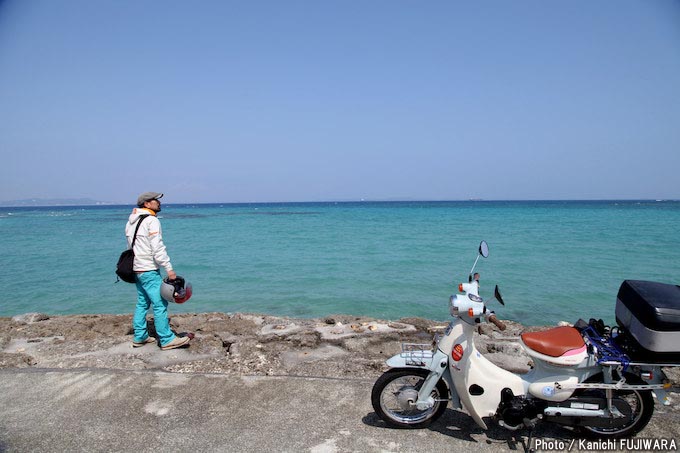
{"points": [[99, 410], [112, 410]]}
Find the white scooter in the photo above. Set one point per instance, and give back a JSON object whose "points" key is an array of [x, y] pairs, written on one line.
{"points": [[593, 378]]}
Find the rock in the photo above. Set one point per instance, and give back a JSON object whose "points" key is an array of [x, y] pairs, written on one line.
{"points": [[18, 360], [294, 358], [436, 329], [30, 318], [340, 346], [279, 329]]}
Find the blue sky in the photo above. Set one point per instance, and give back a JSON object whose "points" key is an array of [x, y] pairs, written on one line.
{"points": [[339, 100]]}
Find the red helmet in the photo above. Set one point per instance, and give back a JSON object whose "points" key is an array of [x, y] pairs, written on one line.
{"points": [[177, 290], [184, 295]]}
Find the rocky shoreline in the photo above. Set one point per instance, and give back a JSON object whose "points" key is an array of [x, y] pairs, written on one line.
{"points": [[242, 344]]}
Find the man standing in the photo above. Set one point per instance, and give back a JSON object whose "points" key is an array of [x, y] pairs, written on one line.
{"points": [[150, 255]]}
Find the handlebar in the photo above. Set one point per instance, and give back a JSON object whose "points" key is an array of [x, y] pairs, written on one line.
{"points": [[496, 322]]}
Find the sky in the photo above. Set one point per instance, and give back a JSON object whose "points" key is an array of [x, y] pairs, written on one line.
{"points": [[260, 101]]}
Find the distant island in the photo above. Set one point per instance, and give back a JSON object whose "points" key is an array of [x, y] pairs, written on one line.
{"points": [[31, 202]]}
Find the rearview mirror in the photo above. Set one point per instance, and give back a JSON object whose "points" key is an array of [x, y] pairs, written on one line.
{"points": [[484, 249], [497, 295]]}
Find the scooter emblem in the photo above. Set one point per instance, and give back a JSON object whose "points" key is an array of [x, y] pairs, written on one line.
{"points": [[548, 391], [457, 352]]}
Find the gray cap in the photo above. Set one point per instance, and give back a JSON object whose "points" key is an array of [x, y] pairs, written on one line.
{"points": [[148, 196]]}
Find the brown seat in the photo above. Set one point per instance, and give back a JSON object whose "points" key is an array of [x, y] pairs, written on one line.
{"points": [[554, 342]]}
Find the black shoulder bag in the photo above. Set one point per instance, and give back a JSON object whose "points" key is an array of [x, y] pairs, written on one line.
{"points": [[124, 268]]}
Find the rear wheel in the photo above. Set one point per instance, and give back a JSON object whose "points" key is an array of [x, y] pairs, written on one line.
{"points": [[395, 393], [637, 407]]}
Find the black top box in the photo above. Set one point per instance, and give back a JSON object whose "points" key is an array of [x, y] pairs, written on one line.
{"points": [[655, 305]]}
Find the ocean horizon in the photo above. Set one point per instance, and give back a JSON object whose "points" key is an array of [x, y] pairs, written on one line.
{"points": [[553, 260], [91, 203]]}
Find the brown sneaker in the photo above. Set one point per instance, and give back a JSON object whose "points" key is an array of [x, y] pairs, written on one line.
{"points": [[139, 344], [176, 343]]}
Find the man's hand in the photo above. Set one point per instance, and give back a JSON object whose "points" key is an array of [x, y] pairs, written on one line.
{"points": [[172, 275]]}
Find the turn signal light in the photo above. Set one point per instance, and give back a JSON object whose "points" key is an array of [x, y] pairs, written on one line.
{"points": [[460, 287], [471, 313]]}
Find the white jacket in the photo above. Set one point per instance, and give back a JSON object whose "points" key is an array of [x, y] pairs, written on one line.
{"points": [[149, 250]]}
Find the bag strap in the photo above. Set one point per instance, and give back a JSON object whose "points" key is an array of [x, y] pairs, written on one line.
{"points": [[139, 223]]}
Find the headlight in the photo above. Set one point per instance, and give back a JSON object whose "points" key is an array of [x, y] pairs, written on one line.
{"points": [[452, 307]]}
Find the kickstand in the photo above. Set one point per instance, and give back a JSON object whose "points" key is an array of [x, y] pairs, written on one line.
{"points": [[530, 438]]}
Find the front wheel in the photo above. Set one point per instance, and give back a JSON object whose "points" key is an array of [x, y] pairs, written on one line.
{"points": [[636, 406], [395, 393]]}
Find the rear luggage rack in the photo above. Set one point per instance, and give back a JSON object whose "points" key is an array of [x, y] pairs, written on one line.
{"points": [[605, 348]]}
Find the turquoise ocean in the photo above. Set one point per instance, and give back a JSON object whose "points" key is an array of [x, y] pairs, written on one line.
{"points": [[553, 260]]}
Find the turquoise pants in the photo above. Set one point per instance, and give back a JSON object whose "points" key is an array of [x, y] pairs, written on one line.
{"points": [[149, 295]]}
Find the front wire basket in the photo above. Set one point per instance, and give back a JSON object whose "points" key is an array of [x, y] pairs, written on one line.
{"points": [[417, 354]]}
